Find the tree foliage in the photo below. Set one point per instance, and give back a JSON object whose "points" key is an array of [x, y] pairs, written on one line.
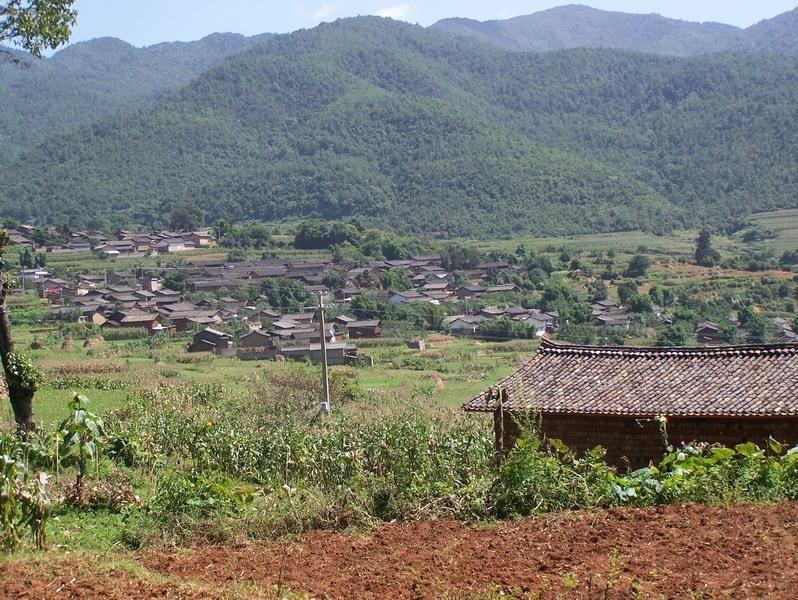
{"points": [[406, 128]]}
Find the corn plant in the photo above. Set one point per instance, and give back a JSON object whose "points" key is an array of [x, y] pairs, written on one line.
{"points": [[23, 499]]}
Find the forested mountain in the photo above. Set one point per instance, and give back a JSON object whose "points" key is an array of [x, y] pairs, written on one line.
{"points": [[779, 34], [96, 79], [426, 132], [576, 26]]}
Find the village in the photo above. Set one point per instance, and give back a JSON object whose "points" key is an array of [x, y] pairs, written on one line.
{"points": [[379, 301]]}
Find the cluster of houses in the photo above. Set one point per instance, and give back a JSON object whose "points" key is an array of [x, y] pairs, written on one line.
{"points": [[290, 336], [122, 243], [709, 333], [543, 322]]}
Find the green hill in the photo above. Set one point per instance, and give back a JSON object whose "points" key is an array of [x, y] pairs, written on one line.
{"points": [[92, 80], [424, 132], [576, 26], [779, 34]]}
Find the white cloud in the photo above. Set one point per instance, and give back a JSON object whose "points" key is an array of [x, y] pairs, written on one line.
{"points": [[508, 14], [325, 10], [395, 11]]}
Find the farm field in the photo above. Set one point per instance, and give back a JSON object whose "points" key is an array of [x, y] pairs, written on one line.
{"points": [[217, 477], [684, 551], [449, 372]]}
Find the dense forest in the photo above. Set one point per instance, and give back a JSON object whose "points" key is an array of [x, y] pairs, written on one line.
{"points": [[425, 132], [576, 26], [95, 79]]}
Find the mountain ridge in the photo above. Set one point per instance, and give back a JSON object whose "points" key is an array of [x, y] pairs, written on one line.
{"points": [[579, 26], [430, 133], [96, 79]]}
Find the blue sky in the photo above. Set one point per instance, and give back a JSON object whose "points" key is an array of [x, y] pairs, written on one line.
{"points": [[145, 22]]}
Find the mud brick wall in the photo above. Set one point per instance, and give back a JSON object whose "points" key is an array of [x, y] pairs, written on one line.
{"points": [[636, 441]]}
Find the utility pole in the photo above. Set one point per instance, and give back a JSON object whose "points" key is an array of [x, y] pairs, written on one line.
{"points": [[325, 379]]}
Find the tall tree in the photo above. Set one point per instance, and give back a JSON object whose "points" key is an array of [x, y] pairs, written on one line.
{"points": [[33, 25], [36, 24], [705, 254]]}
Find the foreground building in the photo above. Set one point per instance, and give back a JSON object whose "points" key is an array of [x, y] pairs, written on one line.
{"points": [[613, 397]]}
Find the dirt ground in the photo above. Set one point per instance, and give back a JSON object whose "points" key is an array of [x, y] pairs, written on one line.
{"points": [[743, 551]]}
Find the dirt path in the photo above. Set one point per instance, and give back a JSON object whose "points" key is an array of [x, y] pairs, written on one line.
{"points": [[676, 552]]}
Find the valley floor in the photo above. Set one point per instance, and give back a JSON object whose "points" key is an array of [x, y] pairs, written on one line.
{"points": [[687, 551]]}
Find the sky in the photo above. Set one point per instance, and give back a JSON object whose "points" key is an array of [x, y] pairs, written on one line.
{"points": [[146, 22]]}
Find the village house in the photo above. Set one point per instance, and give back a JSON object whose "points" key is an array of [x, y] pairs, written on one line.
{"points": [[211, 340], [470, 291], [173, 245], [257, 338], [615, 397], [708, 332], [134, 319], [463, 324], [364, 329], [407, 297], [201, 239]]}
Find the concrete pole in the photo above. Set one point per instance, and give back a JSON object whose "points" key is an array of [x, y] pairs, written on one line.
{"points": [[325, 379]]}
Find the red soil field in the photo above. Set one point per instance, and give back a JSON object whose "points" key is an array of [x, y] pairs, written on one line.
{"points": [[687, 551]]}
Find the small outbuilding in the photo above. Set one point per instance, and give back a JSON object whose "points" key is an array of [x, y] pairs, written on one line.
{"points": [[211, 340], [614, 397]]}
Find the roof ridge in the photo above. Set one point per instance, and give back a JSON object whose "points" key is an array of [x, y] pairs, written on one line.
{"points": [[550, 346]]}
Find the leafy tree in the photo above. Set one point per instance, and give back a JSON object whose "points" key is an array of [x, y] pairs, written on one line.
{"points": [[335, 280], [705, 254], [174, 280], [613, 336], [186, 217], [365, 306], [317, 234], [597, 291], [396, 280], [677, 334], [33, 25], [583, 333], [640, 303], [36, 24], [26, 259], [638, 266], [285, 294], [458, 257], [626, 291], [761, 330]]}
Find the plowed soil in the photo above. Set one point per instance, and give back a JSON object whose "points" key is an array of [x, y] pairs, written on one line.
{"points": [[742, 551]]}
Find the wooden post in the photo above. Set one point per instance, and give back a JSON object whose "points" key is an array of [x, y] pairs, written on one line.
{"points": [[498, 428], [325, 379]]}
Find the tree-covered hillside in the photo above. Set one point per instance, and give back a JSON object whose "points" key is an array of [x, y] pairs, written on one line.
{"points": [[576, 26], [424, 132], [779, 34], [97, 79]]}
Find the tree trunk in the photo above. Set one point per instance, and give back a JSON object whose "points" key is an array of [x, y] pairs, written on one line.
{"points": [[21, 398]]}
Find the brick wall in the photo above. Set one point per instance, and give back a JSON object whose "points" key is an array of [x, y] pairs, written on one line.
{"points": [[637, 441]]}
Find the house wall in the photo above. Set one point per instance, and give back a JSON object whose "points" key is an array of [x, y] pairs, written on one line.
{"points": [[636, 441]]}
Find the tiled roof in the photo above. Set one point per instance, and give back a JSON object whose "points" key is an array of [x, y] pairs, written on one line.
{"points": [[737, 381]]}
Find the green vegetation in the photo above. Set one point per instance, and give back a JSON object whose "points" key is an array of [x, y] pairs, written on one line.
{"points": [[420, 132], [188, 458], [98, 79], [576, 26]]}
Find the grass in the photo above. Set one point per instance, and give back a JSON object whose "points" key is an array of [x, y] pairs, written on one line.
{"points": [[449, 373], [784, 223]]}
